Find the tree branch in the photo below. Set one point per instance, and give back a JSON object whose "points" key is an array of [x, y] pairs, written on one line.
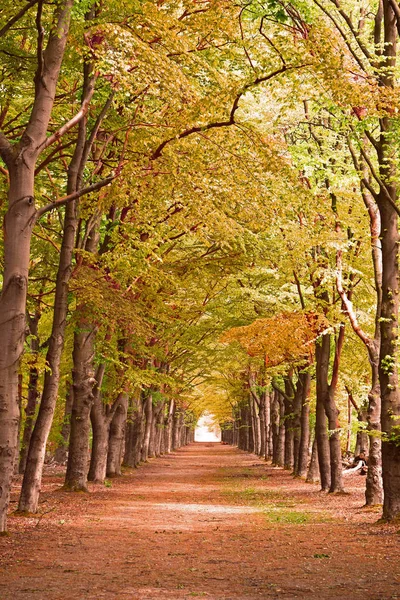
{"points": [[281, 391], [86, 190], [231, 121], [354, 403], [342, 33], [348, 305], [72, 122], [298, 285], [17, 17], [350, 25]]}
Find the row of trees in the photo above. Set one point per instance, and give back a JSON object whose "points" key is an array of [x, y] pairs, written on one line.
{"points": [[171, 171]]}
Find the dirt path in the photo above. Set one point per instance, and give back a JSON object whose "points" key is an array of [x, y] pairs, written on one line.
{"points": [[208, 521]]}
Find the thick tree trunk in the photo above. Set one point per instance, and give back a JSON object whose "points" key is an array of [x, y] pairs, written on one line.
{"points": [[334, 444], [388, 372], [101, 421], [18, 223], [18, 232], [83, 383], [116, 443], [33, 473], [134, 430], [98, 457]]}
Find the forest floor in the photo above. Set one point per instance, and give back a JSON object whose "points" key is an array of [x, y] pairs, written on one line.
{"points": [[207, 521]]}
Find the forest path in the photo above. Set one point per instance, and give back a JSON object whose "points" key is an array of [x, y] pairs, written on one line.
{"points": [[207, 521]]}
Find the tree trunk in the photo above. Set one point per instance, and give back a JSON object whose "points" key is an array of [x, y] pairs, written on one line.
{"points": [[302, 463], [101, 421], [313, 470], [35, 460], [83, 383], [156, 429], [373, 489], [322, 353], [275, 409], [98, 457], [12, 319], [263, 425], [148, 413], [255, 424], [159, 430], [18, 224], [61, 453], [289, 424], [134, 430], [33, 395], [169, 427], [37, 449], [388, 372], [116, 441]]}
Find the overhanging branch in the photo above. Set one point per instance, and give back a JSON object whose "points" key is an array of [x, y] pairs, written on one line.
{"points": [[74, 196], [17, 17], [231, 120]]}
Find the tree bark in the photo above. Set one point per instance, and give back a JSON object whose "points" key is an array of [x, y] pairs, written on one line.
{"points": [[18, 224], [33, 394], [148, 414], [322, 353], [313, 470], [101, 421], [116, 442], [61, 453], [83, 383], [304, 441], [169, 427]]}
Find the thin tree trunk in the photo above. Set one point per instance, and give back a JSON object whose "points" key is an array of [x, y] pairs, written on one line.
{"points": [[169, 427], [33, 394], [305, 426], [313, 470], [280, 451], [148, 413], [61, 453], [322, 353]]}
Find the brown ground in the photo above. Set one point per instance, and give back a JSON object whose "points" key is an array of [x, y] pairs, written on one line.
{"points": [[207, 521]]}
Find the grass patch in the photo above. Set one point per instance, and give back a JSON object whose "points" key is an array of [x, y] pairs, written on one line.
{"points": [[291, 517], [253, 496], [274, 505]]}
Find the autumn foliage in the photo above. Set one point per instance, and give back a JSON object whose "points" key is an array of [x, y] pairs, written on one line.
{"points": [[285, 338]]}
